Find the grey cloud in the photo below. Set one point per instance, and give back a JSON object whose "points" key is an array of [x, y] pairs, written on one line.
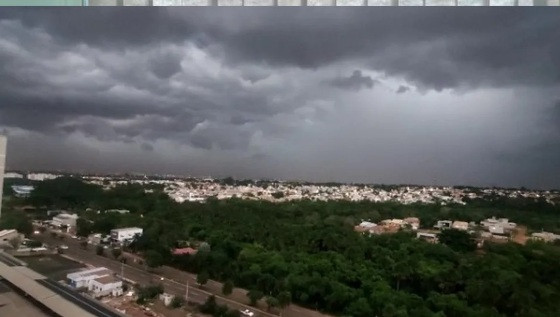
{"points": [[229, 90], [166, 65], [355, 82], [147, 147], [434, 48], [402, 89]]}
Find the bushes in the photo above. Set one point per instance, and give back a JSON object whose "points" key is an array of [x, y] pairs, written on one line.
{"points": [[177, 302], [212, 308], [148, 293]]}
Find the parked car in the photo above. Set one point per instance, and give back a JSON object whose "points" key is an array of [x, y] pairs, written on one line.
{"points": [[246, 312], [63, 247]]}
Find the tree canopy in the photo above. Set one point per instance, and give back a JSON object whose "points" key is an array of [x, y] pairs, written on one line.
{"points": [[307, 253]]}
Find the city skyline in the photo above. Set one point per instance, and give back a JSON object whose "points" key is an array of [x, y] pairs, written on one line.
{"points": [[343, 95]]}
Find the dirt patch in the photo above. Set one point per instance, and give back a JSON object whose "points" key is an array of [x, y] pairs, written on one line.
{"points": [[519, 235], [128, 305], [53, 266]]}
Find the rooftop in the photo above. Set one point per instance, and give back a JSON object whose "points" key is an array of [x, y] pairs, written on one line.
{"points": [[126, 229], [96, 271], [107, 279]]}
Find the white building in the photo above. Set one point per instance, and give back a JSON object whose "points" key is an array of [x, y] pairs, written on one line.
{"points": [[105, 285], [85, 278], [166, 298], [64, 219], [13, 175], [427, 236], [41, 176], [545, 236], [460, 225], [443, 224], [413, 222], [120, 211], [22, 191], [125, 234], [498, 226]]}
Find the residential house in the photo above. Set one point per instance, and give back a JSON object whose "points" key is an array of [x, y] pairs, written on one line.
{"points": [[166, 298], [64, 219], [84, 278], [105, 285], [22, 191], [125, 234], [460, 225], [413, 222], [364, 226], [120, 211], [503, 223], [183, 251], [443, 224], [427, 236], [545, 236]]}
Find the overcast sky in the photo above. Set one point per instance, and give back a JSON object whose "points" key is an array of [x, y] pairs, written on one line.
{"points": [[380, 95]]}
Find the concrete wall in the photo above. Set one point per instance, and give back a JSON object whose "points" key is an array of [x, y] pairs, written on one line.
{"points": [[3, 142]]}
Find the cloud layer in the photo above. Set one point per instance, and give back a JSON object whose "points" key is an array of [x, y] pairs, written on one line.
{"points": [[399, 96]]}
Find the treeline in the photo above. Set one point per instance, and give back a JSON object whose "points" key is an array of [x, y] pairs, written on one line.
{"points": [[309, 252]]}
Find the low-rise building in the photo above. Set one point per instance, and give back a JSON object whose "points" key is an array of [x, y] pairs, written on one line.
{"points": [[166, 298], [443, 224], [125, 234], [64, 219], [22, 191], [460, 225], [13, 175], [84, 278], [105, 285], [545, 236], [413, 222], [498, 225], [183, 251], [120, 211], [364, 226], [427, 236]]}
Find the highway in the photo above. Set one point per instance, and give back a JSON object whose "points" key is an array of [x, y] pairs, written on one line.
{"points": [[174, 281], [89, 305], [9, 262], [140, 275]]}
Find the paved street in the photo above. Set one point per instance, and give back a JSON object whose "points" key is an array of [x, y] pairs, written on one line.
{"points": [[174, 281]]}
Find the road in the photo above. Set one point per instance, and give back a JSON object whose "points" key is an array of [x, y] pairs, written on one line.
{"points": [[89, 305], [174, 281]]}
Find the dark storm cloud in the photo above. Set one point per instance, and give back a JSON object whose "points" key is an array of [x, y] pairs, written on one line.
{"points": [[147, 147], [402, 89], [166, 66], [435, 48], [245, 90], [102, 27], [356, 81]]}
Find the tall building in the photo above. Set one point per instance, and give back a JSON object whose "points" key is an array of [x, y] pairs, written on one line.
{"points": [[3, 142]]}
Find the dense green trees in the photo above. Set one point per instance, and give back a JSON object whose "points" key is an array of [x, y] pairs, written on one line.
{"points": [[202, 278], [457, 240], [99, 250], [227, 288], [149, 292], [12, 219], [307, 252]]}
